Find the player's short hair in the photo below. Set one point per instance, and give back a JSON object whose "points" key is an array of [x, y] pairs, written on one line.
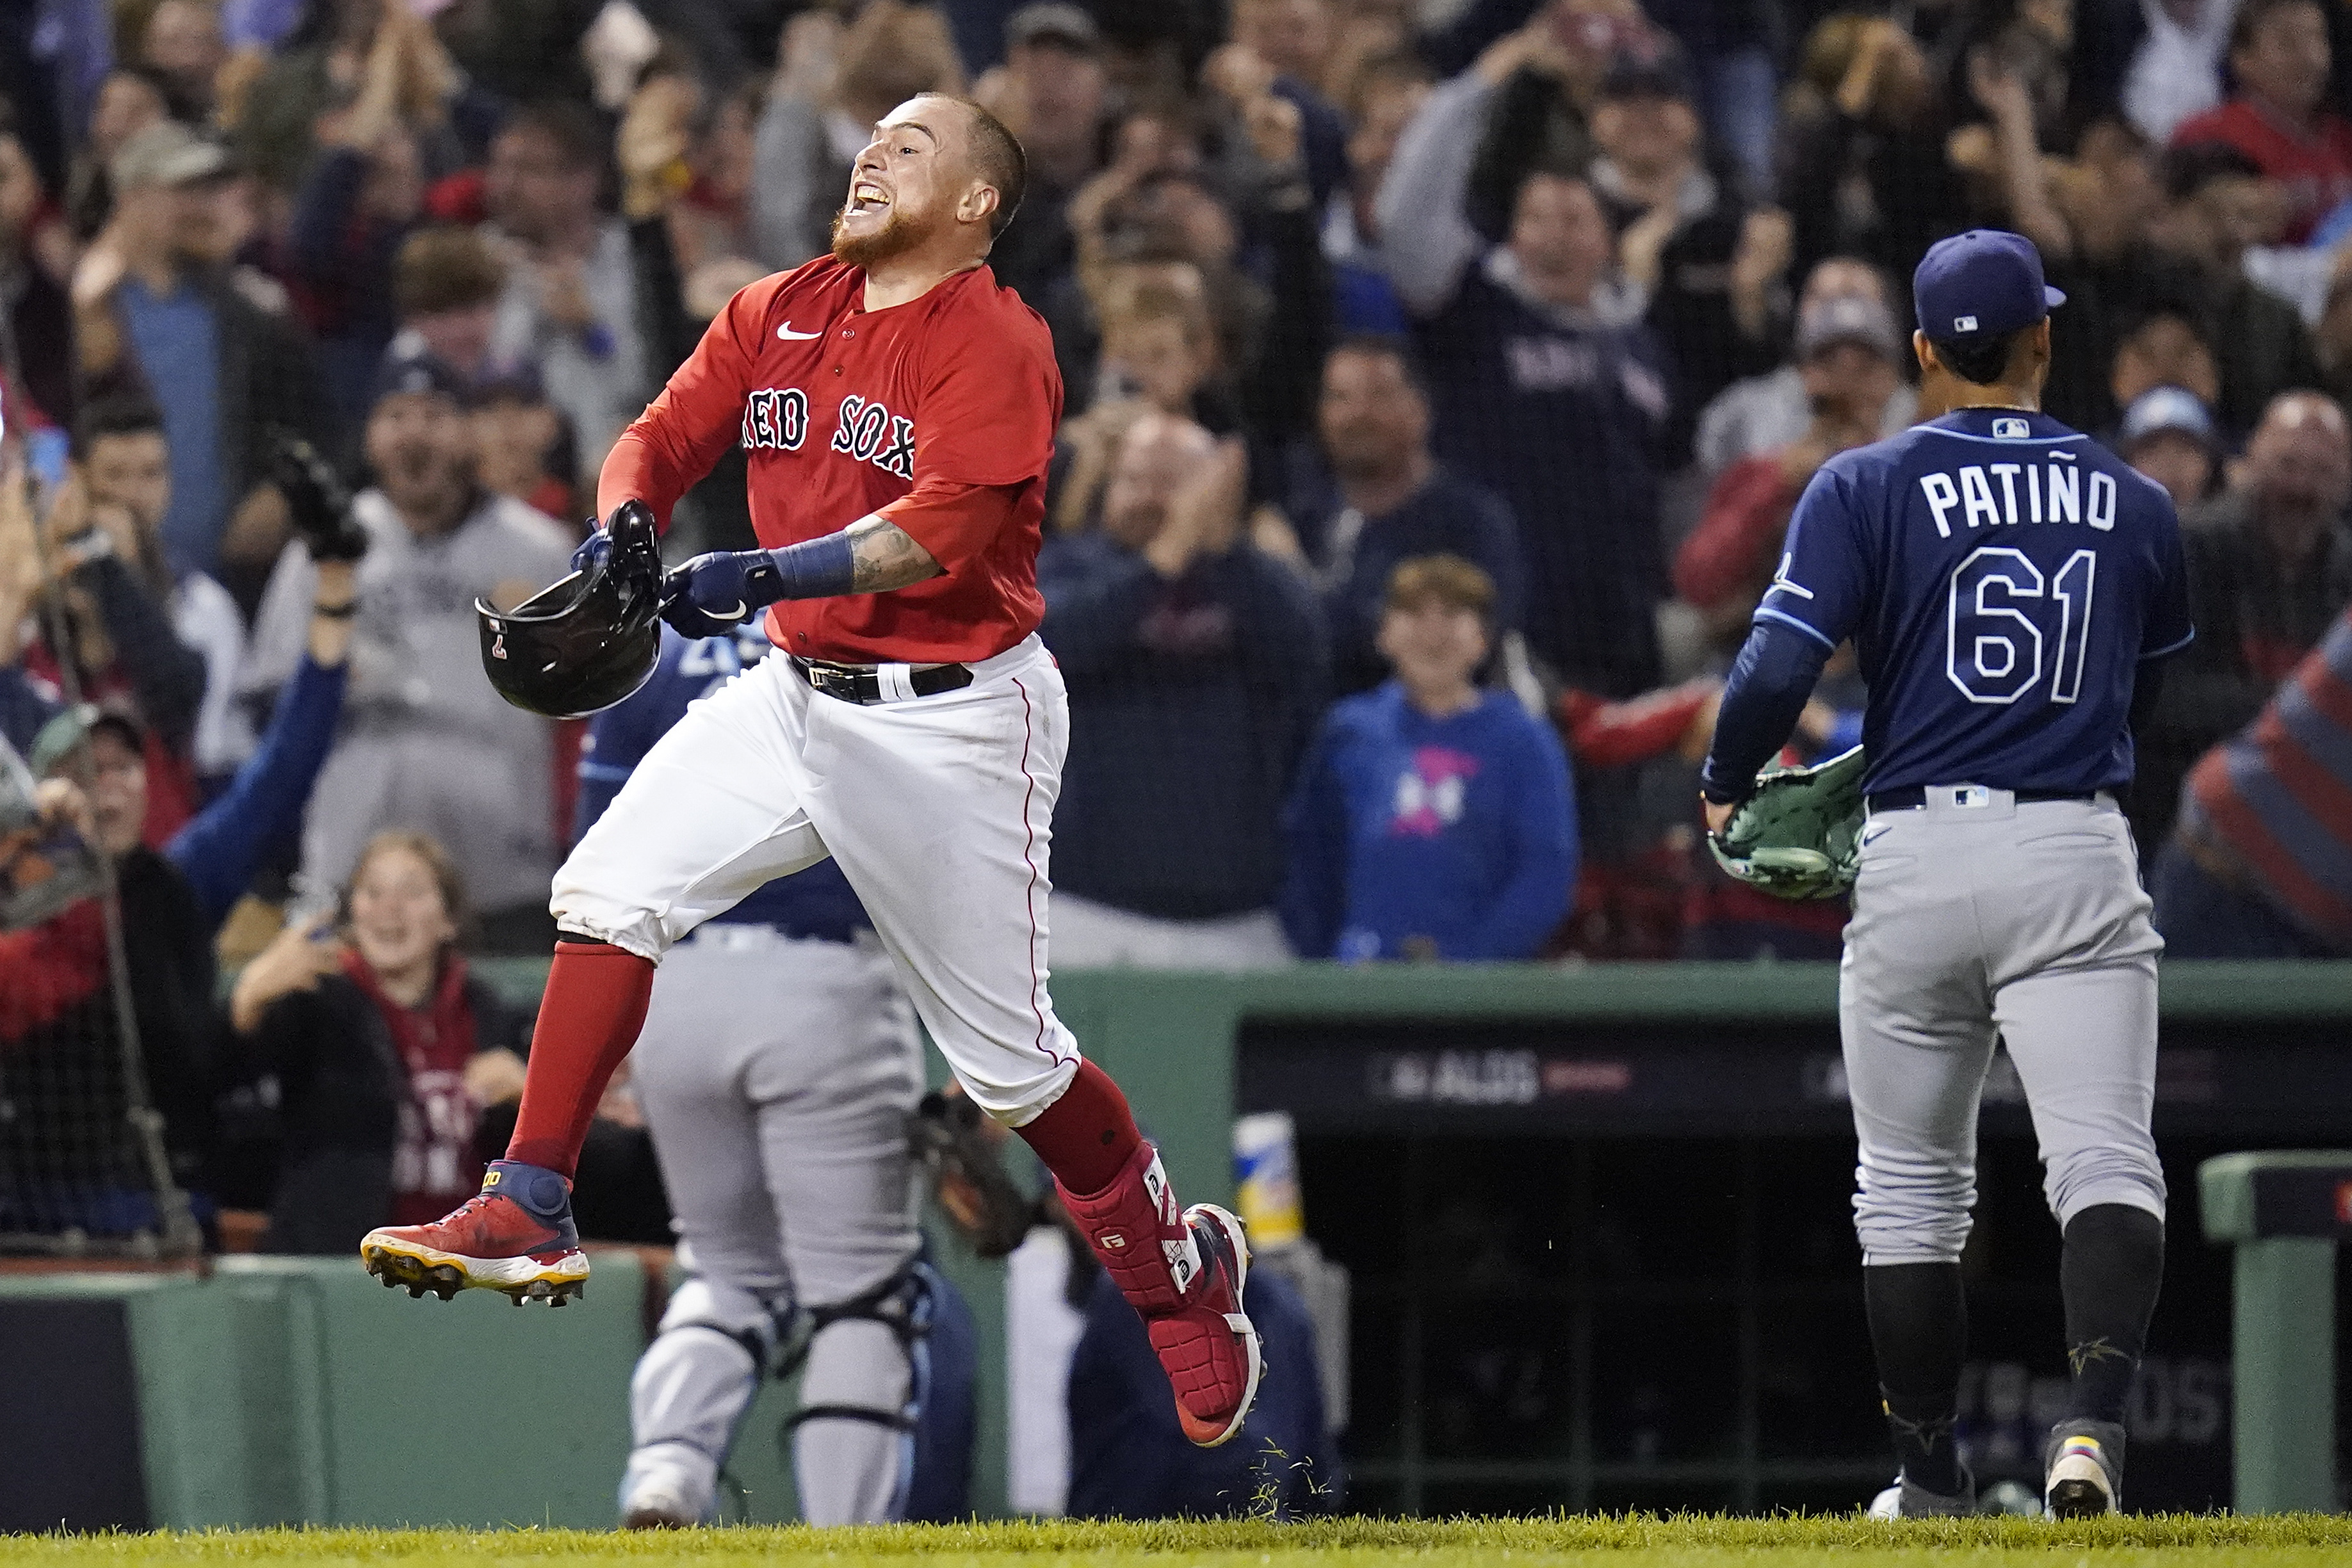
{"points": [[117, 414], [998, 160], [1982, 362], [447, 880], [2252, 14], [1446, 581], [444, 269]]}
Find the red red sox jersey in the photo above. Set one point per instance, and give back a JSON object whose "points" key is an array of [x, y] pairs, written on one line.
{"points": [[938, 413]]}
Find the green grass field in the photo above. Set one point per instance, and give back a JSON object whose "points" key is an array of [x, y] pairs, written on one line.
{"points": [[1637, 1540]]}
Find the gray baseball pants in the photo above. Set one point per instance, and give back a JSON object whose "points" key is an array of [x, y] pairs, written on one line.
{"points": [[1978, 916], [776, 1077]]}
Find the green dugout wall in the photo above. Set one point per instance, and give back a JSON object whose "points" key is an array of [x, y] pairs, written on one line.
{"points": [[279, 1390]]}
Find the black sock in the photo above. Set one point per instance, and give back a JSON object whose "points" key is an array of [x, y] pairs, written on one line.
{"points": [[1919, 1327], [2112, 1265]]}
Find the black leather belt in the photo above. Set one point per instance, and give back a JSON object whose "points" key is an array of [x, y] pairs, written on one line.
{"points": [[860, 684], [1916, 796]]}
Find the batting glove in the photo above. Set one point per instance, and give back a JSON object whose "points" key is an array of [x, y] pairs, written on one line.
{"points": [[712, 595]]}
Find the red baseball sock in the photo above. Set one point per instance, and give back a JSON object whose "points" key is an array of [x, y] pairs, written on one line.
{"points": [[594, 1005], [1087, 1136]]}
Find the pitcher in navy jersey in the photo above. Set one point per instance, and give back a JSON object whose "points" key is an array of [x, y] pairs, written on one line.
{"points": [[2010, 588]]}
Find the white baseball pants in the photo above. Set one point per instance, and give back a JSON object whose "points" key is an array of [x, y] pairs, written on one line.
{"points": [[940, 810]]}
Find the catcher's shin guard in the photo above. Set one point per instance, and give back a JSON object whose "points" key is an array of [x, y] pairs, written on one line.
{"points": [[687, 1399], [1183, 1273], [865, 1378]]}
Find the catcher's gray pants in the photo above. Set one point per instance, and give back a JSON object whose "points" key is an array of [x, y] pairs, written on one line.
{"points": [[1992, 917], [777, 1076]]}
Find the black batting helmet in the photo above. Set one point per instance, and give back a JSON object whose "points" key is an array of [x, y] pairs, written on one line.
{"points": [[589, 641]]}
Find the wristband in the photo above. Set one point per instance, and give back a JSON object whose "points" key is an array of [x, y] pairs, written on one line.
{"points": [[343, 611], [813, 569]]}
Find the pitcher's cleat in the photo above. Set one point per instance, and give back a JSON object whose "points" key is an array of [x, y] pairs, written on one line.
{"points": [[1908, 1500], [1208, 1346], [2084, 1466], [515, 1236]]}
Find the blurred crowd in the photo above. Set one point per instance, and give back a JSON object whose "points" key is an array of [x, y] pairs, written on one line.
{"points": [[1440, 375]]}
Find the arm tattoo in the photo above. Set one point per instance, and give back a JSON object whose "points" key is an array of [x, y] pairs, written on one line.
{"points": [[886, 556]]}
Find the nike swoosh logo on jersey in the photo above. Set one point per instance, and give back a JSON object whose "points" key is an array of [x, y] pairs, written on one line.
{"points": [[789, 336]]}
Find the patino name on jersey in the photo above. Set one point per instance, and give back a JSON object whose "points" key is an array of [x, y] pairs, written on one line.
{"points": [[2050, 487]]}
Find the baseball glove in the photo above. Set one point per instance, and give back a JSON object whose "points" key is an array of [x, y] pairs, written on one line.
{"points": [[1799, 834], [948, 1135], [317, 500]]}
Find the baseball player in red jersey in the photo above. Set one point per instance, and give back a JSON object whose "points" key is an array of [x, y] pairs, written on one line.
{"points": [[897, 410]]}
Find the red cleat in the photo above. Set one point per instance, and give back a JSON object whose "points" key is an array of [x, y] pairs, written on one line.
{"points": [[1184, 1275], [515, 1236]]}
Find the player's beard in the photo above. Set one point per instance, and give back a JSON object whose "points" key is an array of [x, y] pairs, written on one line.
{"points": [[897, 237]]}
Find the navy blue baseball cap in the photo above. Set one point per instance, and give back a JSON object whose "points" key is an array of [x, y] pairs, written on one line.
{"points": [[1980, 285]]}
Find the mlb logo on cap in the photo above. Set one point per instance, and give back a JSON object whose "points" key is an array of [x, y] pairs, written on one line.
{"points": [[1985, 282]]}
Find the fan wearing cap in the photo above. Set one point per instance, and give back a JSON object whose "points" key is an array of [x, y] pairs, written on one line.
{"points": [[1712, 267], [2169, 434], [427, 744], [155, 309], [2010, 588], [1053, 92], [1845, 356], [174, 899]]}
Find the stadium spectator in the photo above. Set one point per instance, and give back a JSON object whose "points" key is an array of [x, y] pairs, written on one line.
{"points": [[569, 310], [2270, 566], [338, 43], [1387, 92], [36, 353], [1389, 501], [181, 42], [122, 648], [2260, 861], [383, 1046], [426, 744], [2168, 435], [2174, 69], [2279, 57], [1536, 384], [2163, 342], [152, 308], [1196, 665], [523, 448], [363, 194], [1846, 350], [125, 467], [1764, 414], [1432, 819], [445, 285], [1289, 41], [1863, 171], [1053, 92], [1712, 268], [832, 85], [172, 902]]}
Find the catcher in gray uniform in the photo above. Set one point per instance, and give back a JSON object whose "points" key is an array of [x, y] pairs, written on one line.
{"points": [[778, 1068], [2010, 588]]}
